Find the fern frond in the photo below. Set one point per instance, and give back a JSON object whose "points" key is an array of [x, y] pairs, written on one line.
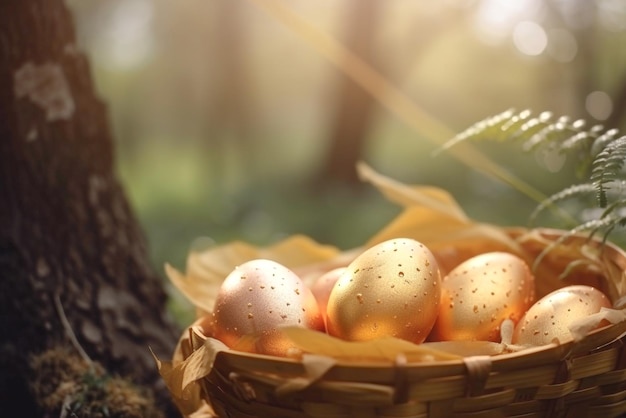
{"points": [[592, 226], [514, 122], [572, 266], [532, 131], [599, 154], [615, 216], [603, 140], [490, 128], [532, 126], [607, 223], [580, 145], [583, 140], [618, 221], [621, 203], [606, 167], [554, 132], [567, 193]]}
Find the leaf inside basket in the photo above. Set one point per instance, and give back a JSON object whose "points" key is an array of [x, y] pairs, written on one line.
{"points": [[181, 377], [386, 349], [207, 269], [583, 327], [431, 216]]}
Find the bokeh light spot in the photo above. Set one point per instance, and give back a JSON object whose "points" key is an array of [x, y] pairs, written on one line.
{"points": [[562, 45], [612, 14], [530, 38], [551, 158], [127, 36], [495, 19], [599, 105]]}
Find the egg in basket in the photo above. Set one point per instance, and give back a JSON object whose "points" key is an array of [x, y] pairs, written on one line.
{"points": [[436, 315]]}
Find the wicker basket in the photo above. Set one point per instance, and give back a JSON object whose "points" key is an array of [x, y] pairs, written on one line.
{"points": [[586, 377]]}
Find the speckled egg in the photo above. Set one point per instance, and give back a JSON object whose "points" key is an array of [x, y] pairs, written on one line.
{"points": [[549, 318], [391, 289], [479, 294], [323, 285], [257, 298]]}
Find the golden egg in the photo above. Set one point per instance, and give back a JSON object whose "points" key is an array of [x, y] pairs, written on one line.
{"points": [[391, 289], [448, 258], [480, 293], [549, 318], [323, 285], [205, 323], [257, 298]]}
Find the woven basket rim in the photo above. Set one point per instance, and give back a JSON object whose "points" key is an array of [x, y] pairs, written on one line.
{"points": [[550, 352]]}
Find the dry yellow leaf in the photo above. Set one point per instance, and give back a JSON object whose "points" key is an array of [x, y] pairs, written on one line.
{"points": [[380, 350], [181, 377], [206, 270], [434, 198], [434, 218]]}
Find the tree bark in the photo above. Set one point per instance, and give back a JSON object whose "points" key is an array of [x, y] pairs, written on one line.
{"points": [[69, 243]]}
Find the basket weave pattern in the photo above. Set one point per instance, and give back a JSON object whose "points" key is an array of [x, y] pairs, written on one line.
{"points": [[577, 378]]}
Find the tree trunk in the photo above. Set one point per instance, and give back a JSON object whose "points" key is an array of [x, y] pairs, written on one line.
{"points": [[70, 246], [354, 106], [229, 119]]}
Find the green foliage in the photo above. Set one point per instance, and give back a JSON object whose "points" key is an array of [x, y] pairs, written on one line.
{"points": [[599, 154]]}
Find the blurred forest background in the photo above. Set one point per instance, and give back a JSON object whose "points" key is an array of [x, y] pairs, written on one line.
{"points": [[230, 124]]}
